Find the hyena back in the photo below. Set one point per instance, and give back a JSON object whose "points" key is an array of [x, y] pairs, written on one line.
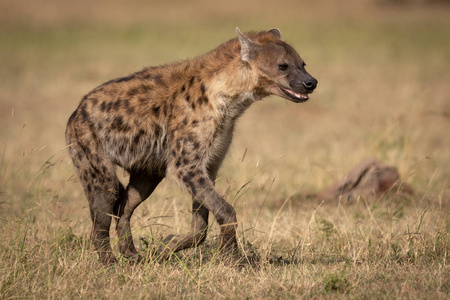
{"points": [[175, 120]]}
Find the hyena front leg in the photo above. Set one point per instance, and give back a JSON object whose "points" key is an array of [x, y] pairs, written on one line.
{"points": [[206, 199], [140, 187], [199, 228], [203, 190]]}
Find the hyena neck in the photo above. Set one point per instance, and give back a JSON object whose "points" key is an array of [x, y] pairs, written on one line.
{"points": [[232, 83]]}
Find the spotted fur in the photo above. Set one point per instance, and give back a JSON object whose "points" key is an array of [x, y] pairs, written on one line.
{"points": [[175, 121]]}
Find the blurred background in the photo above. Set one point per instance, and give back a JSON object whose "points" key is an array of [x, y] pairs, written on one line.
{"points": [[383, 69]]}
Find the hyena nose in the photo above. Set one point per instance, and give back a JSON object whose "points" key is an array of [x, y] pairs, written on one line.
{"points": [[310, 83]]}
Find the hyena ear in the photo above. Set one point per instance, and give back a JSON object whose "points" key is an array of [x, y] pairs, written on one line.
{"points": [[276, 33], [248, 47]]}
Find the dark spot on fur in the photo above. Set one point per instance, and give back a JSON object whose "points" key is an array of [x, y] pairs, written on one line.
{"points": [[93, 175], [178, 162], [164, 143], [158, 130], [174, 95], [185, 161], [155, 110], [196, 145], [183, 89], [136, 140], [202, 88], [189, 183], [103, 106], [202, 100], [138, 136], [191, 81], [201, 180], [94, 101], [117, 123], [122, 148], [145, 88], [85, 149], [191, 137], [188, 98], [116, 104], [132, 92], [185, 121], [84, 114], [91, 127], [89, 188]]}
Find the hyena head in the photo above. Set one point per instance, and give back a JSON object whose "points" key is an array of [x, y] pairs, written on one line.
{"points": [[280, 68]]}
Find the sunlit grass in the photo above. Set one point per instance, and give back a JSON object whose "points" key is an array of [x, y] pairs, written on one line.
{"points": [[383, 92]]}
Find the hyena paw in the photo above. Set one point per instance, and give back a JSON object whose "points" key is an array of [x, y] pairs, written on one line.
{"points": [[107, 258]]}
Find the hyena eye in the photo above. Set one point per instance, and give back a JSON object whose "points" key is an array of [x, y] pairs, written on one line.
{"points": [[283, 67]]}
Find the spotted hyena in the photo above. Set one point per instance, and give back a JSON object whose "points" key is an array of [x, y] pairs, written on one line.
{"points": [[176, 121]]}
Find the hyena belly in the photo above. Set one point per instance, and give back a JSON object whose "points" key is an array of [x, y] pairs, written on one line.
{"points": [[139, 149]]}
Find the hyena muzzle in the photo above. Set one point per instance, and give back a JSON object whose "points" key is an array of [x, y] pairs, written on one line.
{"points": [[175, 121]]}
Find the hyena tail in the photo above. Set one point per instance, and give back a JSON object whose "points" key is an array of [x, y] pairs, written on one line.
{"points": [[100, 183]]}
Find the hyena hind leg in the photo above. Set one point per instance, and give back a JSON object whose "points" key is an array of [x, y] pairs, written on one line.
{"points": [[140, 187], [101, 206], [102, 189]]}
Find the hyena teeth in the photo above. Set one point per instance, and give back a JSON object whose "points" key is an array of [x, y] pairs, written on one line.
{"points": [[294, 94]]}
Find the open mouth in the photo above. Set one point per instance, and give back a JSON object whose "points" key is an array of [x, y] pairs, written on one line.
{"points": [[296, 97]]}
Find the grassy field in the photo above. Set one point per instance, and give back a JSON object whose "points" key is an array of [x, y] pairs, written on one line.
{"points": [[384, 74]]}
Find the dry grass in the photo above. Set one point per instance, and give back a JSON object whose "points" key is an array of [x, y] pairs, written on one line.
{"points": [[383, 91]]}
